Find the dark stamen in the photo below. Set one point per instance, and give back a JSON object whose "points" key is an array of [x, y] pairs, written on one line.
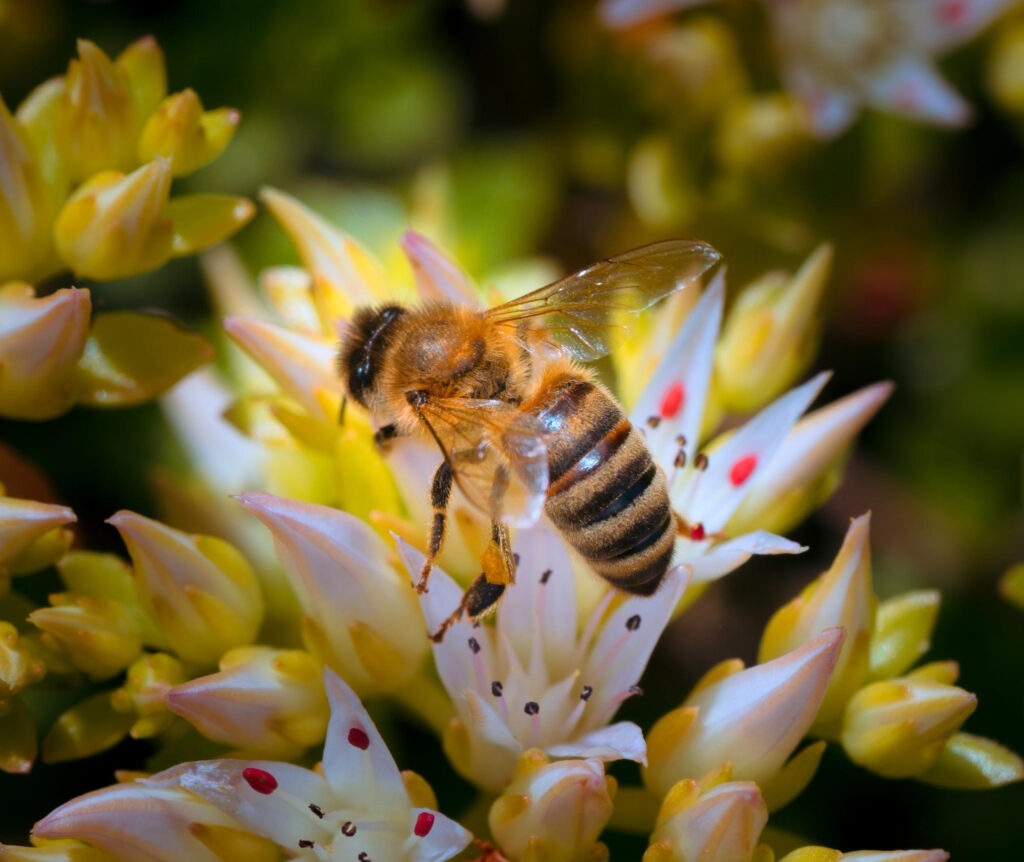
{"points": [[305, 842], [317, 810], [474, 645], [496, 688], [587, 691], [545, 575], [532, 707], [633, 623], [348, 828]]}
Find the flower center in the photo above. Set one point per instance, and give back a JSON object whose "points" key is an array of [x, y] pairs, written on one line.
{"points": [[849, 37]]}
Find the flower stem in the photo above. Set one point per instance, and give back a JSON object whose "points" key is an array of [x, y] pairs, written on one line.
{"points": [[636, 809], [425, 699]]}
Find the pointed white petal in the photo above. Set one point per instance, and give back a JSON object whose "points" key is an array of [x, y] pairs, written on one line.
{"points": [[441, 838], [730, 555], [488, 726], [938, 25], [830, 110], [357, 764], [268, 797], [438, 277], [913, 88], [678, 389], [620, 741], [731, 465], [896, 856]]}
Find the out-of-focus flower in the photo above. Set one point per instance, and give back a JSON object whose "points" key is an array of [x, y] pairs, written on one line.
{"points": [[360, 616], [761, 134], [837, 55], [156, 821], [841, 597], [532, 680], [90, 726], [52, 357], [359, 804], [202, 592], [264, 701], [1005, 71], [553, 812], [712, 820], [898, 727], [149, 679], [771, 334], [101, 134], [752, 719], [823, 854], [1011, 585]]}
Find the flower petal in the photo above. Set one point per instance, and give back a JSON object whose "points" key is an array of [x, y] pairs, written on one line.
{"points": [[913, 88], [444, 839], [732, 554], [438, 277], [620, 741], [939, 25]]}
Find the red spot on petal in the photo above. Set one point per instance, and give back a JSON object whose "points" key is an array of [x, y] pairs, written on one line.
{"points": [[672, 400], [260, 780], [697, 532], [953, 12], [424, 823], [357, 737], [742, 469]]}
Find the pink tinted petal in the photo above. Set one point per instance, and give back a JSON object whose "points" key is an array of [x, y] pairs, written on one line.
{"points": [[445, 837], [625, 644], [728, 556], [829, 110], [357, 763], [939, 25], [619, 14], [488, 726], [282, 815], [678, 389], [620, 741], [718, 495], [438, 277], [914, 89], [536, 612]]}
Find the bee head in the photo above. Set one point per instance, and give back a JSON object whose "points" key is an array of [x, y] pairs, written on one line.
{"points": [[362, 349]]}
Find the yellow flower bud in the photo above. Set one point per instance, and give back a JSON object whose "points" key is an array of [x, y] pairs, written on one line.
{"points": [[143, 64], [1006, 68], [841, 597], [1011, 585], [19, 667], [90, 726], [37, 117], [97, 123], [18, 745], [54, 851], [899, 727], [553, 812], [22, 522], [969, 762], [202, 592], [771, 334], [97, 635], [760, 134], [116, 224], [149, 678], [903, 630], [26, 206], [720, 823], [265, 701], [183, 132], [41, 340]]}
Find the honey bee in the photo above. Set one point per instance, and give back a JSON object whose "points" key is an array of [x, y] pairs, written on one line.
{"points": [[523, 428]]}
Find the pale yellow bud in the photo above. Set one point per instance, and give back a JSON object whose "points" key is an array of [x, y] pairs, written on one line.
{"points": [[26, 206], [183, 132], [771, 334], [18, 743], [54, 851], [553, 812], [116, 224], [899, 727], [202, 592], [841, 597], [41, 340], [97, 121], [19, 667], [22, 522], [149, 678], [264, 701]]}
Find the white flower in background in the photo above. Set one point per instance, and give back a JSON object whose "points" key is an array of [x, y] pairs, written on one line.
{"points": [[533, 680], [359, 808], [837, 56]]}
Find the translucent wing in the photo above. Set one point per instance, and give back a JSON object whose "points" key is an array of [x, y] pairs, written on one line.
{"points": [[497, 453], [584, 312]]}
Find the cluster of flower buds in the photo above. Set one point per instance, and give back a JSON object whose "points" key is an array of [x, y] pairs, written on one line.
{"points": [[89, 158]]}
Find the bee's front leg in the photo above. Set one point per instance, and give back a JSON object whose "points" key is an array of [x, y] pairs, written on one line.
{"points": [[440, 494], [480, 599]]}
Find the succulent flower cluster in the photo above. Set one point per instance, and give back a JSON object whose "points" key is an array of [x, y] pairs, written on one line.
{"points": [[264, 644]]}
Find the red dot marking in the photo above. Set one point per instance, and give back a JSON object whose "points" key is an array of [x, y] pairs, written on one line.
{"points": [[953, 12], [357, 737], [260, 780], [742, 469], [697, 532], [424, 823], [672, 401]]}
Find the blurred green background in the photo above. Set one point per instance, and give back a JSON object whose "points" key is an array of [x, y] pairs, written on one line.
{"points": [[534, 133]]}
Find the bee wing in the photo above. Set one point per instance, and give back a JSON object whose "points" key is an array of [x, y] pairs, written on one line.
{"points": [[584, 312], [498, 455]]}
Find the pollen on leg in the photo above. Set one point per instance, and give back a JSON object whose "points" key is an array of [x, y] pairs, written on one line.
{"points": [[741, 470], [672, 400], [357, 737], [260, 780]]}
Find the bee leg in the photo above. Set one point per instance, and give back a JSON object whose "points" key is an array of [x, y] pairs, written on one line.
{"points": [[480, 599], [440, 494], [384, 434], [498, 561]]}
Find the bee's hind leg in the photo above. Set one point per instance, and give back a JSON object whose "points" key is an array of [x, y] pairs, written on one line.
{"points": [[440, 494], [480, 598]]}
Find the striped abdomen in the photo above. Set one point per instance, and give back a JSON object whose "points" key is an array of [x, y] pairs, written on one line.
{"points": [[605, 494]]}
